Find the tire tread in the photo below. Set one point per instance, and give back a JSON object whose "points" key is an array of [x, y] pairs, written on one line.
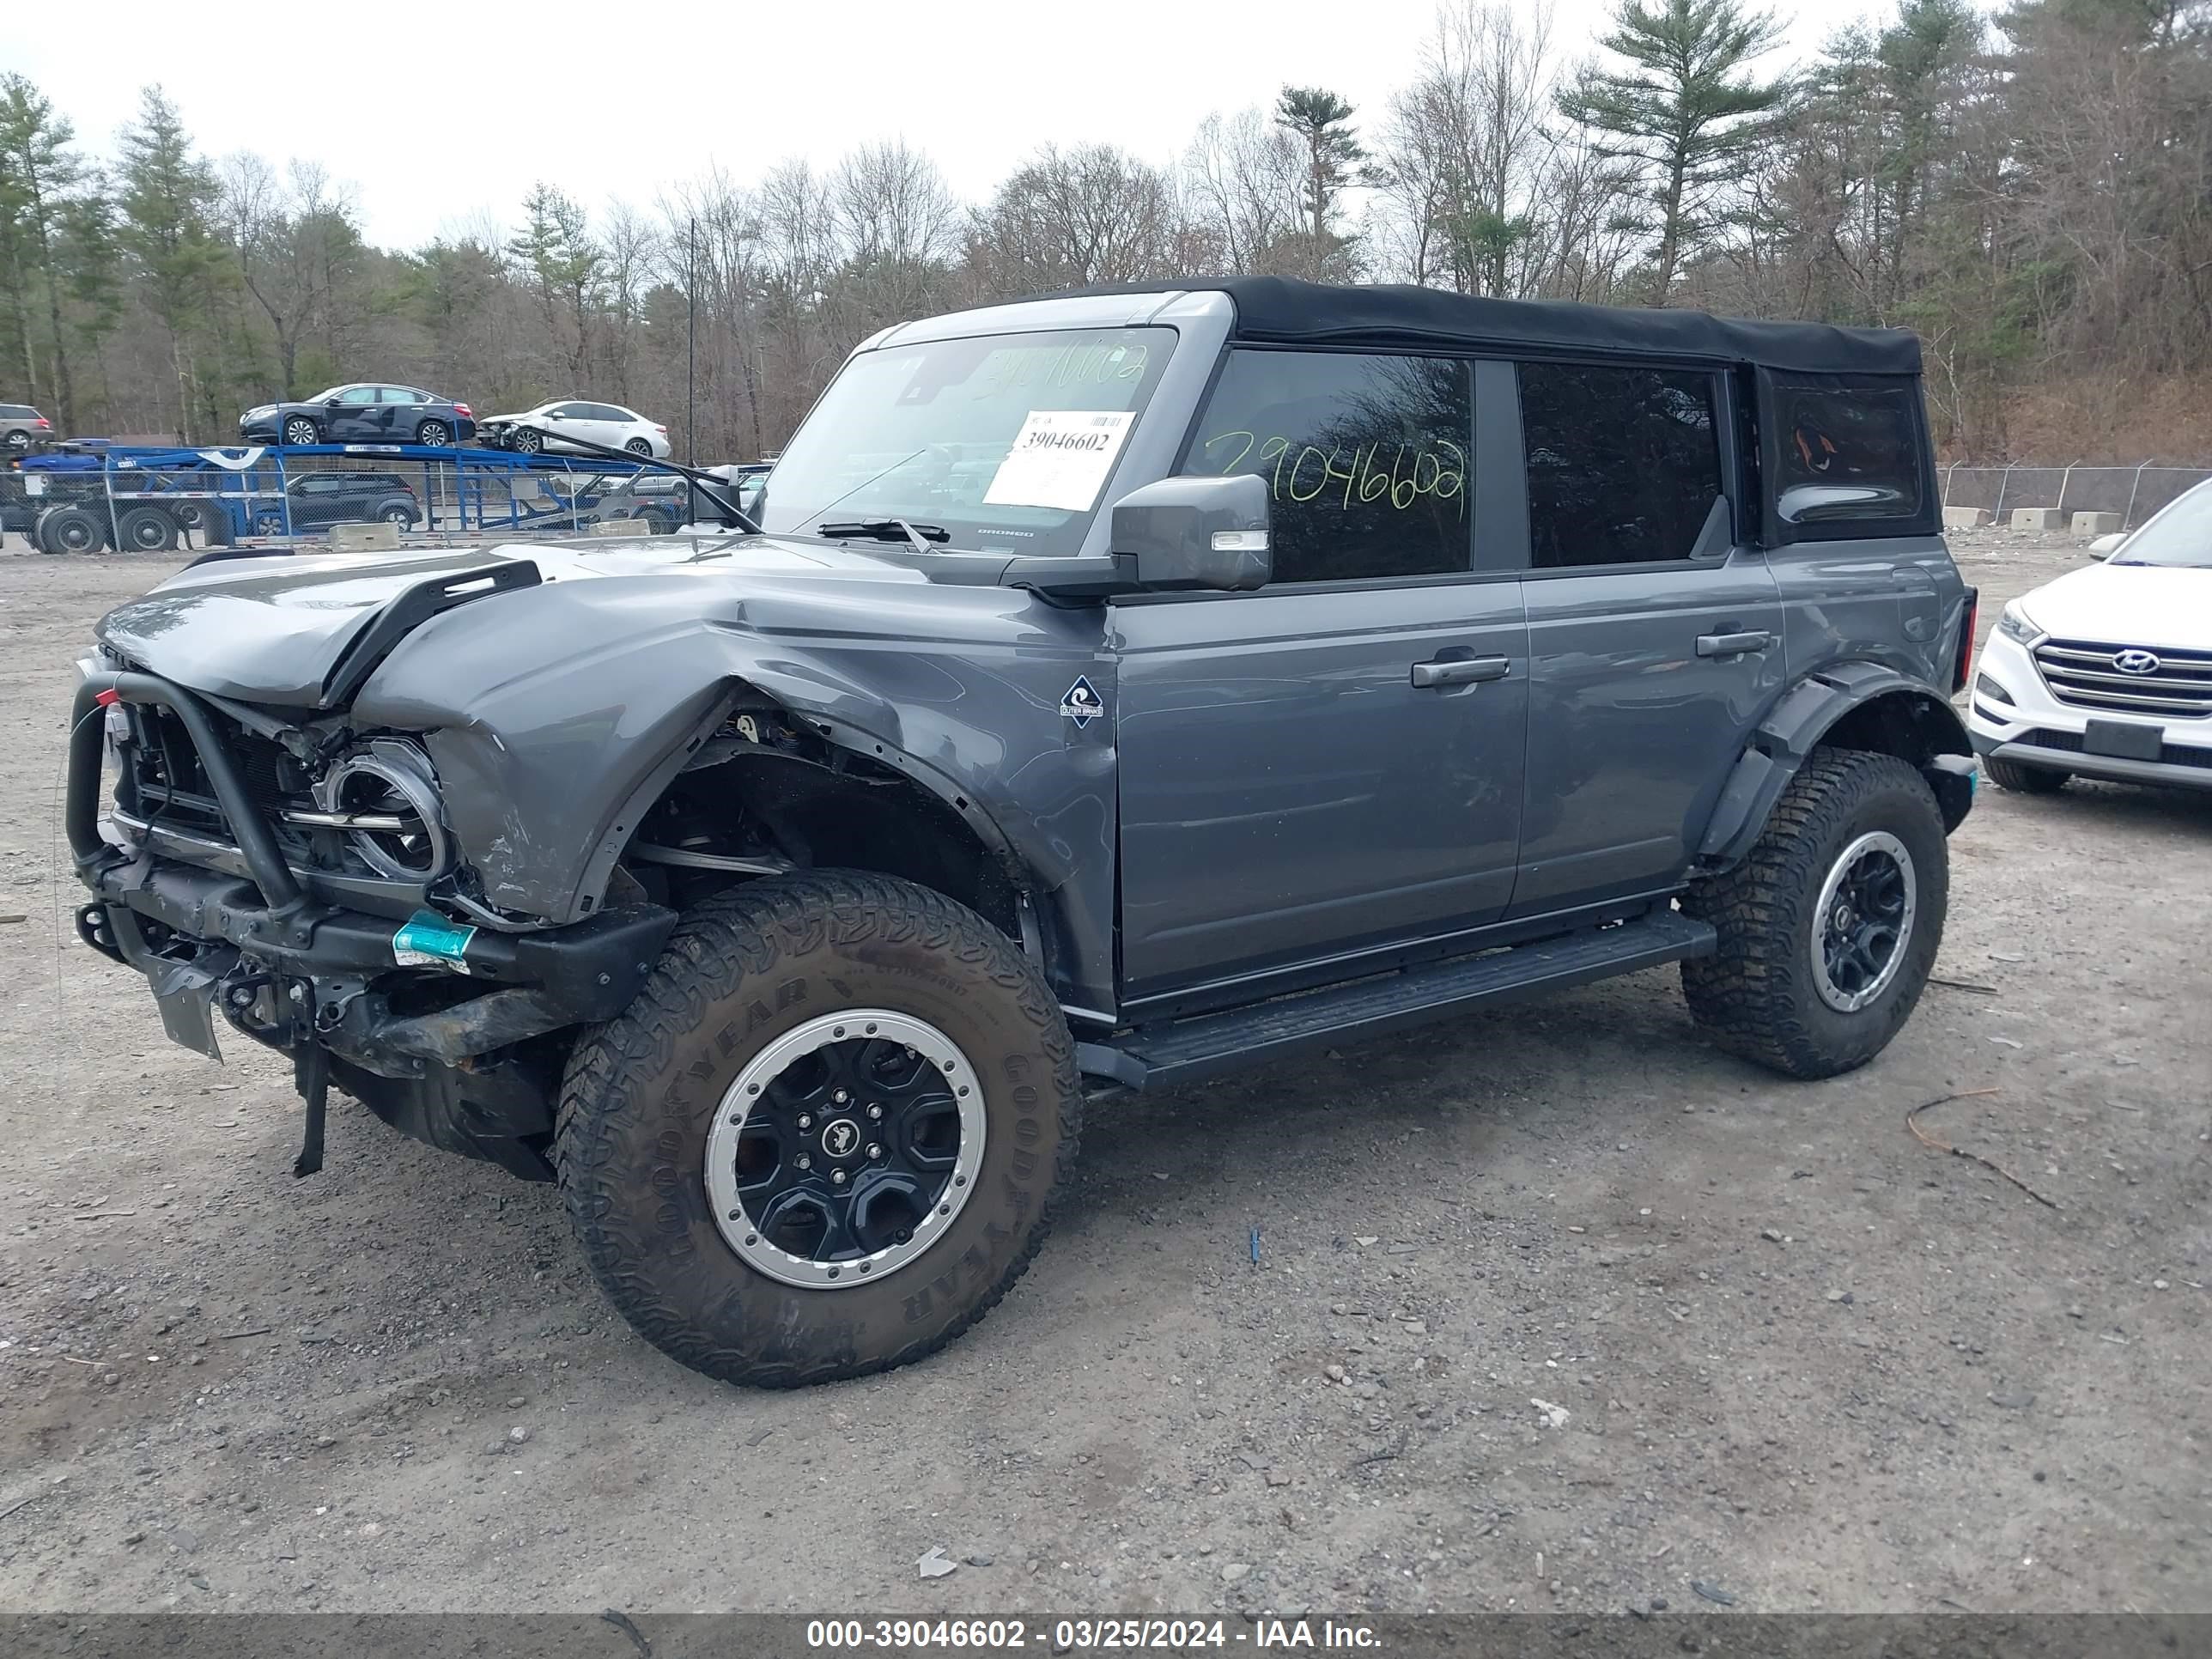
{"points": [[731, 938]]}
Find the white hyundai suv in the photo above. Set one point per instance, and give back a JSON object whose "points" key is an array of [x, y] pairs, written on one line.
{"points": [[2107, 671]]}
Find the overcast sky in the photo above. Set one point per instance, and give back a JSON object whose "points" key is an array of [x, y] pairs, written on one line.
{"points": [[435, 118]]}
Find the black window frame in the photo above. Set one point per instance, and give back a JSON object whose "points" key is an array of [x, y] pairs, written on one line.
{"points": [[1727, 404], [1777, 532]]}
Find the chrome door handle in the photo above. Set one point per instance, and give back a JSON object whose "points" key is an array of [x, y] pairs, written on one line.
{"points": [[1732, 645], [1461, 670]]}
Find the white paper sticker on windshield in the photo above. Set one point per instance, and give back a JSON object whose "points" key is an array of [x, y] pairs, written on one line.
{"points": [[1059, 458]]}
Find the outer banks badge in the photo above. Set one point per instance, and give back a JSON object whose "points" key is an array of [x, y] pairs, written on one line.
{"points": [[1082, 703]]}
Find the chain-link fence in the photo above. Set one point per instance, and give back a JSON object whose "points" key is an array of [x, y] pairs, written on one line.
{"points": [[149, 501], [2133, 492]]}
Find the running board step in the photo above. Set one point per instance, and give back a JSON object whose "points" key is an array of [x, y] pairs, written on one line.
{"points": [[1182, 1051]]}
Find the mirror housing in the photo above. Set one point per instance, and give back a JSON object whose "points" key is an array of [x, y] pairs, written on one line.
{"points": [[1186, 533]]}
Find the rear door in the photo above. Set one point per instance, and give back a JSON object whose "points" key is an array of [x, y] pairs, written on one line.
{"points": [[1331, 765], [1858, 555], [1654, 627]]}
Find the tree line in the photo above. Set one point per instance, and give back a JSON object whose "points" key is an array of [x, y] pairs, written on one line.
{"points": [[2031, 192]]}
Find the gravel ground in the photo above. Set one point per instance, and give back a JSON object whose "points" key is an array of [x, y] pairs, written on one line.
{"points": [[1788, 1351]]}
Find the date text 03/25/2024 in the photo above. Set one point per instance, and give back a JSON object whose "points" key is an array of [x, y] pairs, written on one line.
{"points": [[1087, 1635]]}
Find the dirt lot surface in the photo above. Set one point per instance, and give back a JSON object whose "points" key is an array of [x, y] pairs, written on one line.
{"points": [[1787, 1351]]}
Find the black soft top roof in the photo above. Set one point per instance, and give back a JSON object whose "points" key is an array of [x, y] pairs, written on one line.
{"points": [[1283, 310]]}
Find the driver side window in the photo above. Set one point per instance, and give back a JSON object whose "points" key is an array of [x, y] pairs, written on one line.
{"points": [[1365, 459]]}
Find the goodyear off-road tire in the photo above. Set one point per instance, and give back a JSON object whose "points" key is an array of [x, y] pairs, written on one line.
{"points": [[2023, 779], [768, 962], [1760, 996]]}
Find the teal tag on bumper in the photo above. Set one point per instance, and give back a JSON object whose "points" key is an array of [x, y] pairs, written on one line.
{"points": [[429, 941]]}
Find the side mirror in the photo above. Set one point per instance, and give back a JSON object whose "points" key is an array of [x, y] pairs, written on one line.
{"points": [[330, 403], [1196, 533]]}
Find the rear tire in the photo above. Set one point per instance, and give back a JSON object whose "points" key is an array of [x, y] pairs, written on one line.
{"points": [[654, 1101], [1829, 927], [145, 530], [436, 434], [2024, 779], [639, 447]]}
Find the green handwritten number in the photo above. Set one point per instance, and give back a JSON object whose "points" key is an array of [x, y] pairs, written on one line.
{"points": [[1273, 450], [1222, 438]]}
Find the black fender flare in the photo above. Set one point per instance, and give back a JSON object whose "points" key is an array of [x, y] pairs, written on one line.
{"points": [[1923, 728]]}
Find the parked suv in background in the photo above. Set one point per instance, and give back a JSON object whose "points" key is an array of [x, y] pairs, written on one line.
{"points": [[2107, 672], [362, 413], [1127, 687], [320, 498], [20, 424]]}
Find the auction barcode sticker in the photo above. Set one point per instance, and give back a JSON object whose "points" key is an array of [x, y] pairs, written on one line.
{"points": [[1060, 458]]}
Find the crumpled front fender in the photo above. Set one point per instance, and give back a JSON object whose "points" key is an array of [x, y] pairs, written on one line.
{"points": [[556, 715]]}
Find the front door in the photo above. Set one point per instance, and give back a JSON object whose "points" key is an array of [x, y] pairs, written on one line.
{"points": [[1332, 764], [355, 420], [1655, 638]]}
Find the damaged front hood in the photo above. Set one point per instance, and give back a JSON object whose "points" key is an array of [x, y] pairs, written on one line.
{"points": [[271, 629]]}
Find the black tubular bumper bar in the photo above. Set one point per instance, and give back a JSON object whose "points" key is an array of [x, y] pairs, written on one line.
{"points": [[257, 843], [588, 970]]}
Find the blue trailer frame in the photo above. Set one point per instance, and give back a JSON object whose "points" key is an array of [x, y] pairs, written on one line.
{"points": [[246, 483]]}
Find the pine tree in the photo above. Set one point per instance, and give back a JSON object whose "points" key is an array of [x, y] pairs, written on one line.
{"points": [[1322, 122], [41, 170], [167, 196], [1684, 111]]}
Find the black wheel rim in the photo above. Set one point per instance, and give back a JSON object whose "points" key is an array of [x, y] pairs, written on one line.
{"points": [[1864, 921], [843, 1149]]}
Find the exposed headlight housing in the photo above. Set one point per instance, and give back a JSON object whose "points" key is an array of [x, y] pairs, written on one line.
{"points": [[2015, 625], [385, 798]]}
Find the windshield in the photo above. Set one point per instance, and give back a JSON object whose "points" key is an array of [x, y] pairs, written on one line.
{"points": [[1007, 441], [325, 395], [2181, 535]]}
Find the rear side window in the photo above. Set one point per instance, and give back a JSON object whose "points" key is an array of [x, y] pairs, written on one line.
{"points": [[400, 394], [1849, 449], [1366, 459], [1624, 464]]}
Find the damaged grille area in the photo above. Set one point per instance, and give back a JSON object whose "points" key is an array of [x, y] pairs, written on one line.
{"points": [[166, 783]]}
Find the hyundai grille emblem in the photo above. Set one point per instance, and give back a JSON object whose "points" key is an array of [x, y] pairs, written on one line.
{"points": [[2135, 662]]}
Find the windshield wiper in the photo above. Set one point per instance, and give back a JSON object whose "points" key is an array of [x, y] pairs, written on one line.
{"points": [[706, 484], [888, 530]]}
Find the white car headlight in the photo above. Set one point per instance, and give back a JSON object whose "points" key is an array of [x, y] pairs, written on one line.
{"points": [[2015, 624]]}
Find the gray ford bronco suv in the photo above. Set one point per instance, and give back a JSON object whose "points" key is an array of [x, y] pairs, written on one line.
{"points": [[1116, 688]]}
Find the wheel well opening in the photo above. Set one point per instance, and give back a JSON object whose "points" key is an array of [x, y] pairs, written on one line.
{"points": [[765, 793], [1910, 725]]}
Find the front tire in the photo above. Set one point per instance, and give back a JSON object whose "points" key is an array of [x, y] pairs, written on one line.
{"points": [[299, 431], [68, 529], [2023, 779], [724, 1076], [1829, 927]]}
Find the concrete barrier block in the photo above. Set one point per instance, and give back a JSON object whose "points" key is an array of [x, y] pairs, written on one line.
{"points": [[378, 537], [2095, 524], [2038, 518], [1964, 518]]}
